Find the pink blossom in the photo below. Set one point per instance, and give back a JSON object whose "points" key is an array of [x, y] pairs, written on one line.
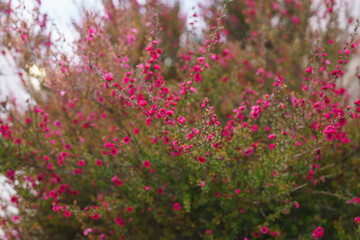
{"points": [[86, 231], [177, 206], [181, 120], [330, 131], [146, 163], [201, 159], [255, 111], [271, 136], [67, 213], [81, 163], [116, 181], [318, 232], [126, 139]]}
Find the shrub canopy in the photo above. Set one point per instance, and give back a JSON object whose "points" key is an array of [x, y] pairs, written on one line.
{"points": [[152, 129]]}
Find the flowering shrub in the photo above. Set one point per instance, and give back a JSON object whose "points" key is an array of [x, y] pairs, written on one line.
{"points": [[244, 134]]}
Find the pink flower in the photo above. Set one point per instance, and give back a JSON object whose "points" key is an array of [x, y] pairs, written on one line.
{"points": [[347, 51], [120, 221], [149, 48], [116, 181], [357, 220], [108, 77], [248, 152], [81, 163], [190, 136], [95, 216], [255, 111], [177, 206], [148, 121], [201, 159], [86, 231], [143, 103], [78, 171], [67, 213], [197, 77], [271, 136], [126, 139], [295, 20], [318, 232], [237, 191], [309, 69], [254, 128], [196, 68], [181, 120], [264, 230], [49, 166], [146, 163], [330, 131], [113, 151], [91, 31]]}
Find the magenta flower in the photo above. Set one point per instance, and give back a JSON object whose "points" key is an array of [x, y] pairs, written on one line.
{"points": [[177, 206], [67, 213], [318, 232], [120, 221], [197, 77], [95, 216], [116, 181], [81, 163], [126, 139], [255, 111], [181, 120], [330, 131], [201, 159], [146, 163]]}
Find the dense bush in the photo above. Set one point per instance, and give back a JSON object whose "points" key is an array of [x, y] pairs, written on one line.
{"points": [[154, 130]]}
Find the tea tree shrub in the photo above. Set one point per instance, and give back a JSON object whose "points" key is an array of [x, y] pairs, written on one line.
{"points": [[151, 129]]}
